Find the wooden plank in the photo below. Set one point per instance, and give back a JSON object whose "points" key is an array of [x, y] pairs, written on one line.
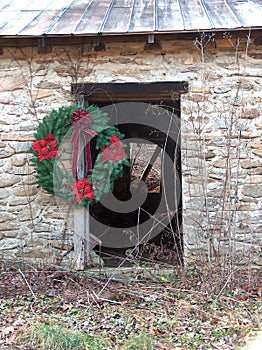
{"points": [[221, 14], [128, 97], [194, 15], [81, 218], [143, 16], [93, 17], [132, 90], [81, 242], [169, 15]]}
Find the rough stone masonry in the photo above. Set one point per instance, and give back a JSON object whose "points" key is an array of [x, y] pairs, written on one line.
{"points": [[221, 144]]}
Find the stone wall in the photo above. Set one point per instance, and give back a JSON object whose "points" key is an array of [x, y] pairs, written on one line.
{"points": [[220, 138]]}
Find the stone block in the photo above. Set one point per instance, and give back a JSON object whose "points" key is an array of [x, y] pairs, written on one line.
{"points": [[27, 215], [220, 163], [6, 152], [5, 216], [17, 201], [62, 245], [255, 171], [226, 43], [199, 86], [222, 89], [22, 146], [209, 155], [251, 113], [249, 164], [252, 191], [11, 84], [7, 180], [25, 191], [19, 160], [8, 230], [10, 244], [3, 194], [189, 60], [255, 179], [244, 207], [29, 180], [36, 253], [41, 93], [258, 152], [248, 200], [18, 136]]}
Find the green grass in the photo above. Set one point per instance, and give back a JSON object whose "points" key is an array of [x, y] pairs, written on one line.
{"points": [[57, 337], [142, 342]]}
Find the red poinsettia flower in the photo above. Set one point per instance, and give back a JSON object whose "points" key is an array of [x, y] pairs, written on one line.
{"points": [[80, 114], [113, 139], [82, 188], [46, 148], [113, 152]]}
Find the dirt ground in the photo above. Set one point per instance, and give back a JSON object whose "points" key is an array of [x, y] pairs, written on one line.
{"points": [[199, 308]]}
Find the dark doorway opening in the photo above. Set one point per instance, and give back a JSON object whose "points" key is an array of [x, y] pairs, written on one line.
{"points": [[149, 117]]}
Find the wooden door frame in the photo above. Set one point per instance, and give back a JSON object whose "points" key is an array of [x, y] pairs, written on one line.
{"points": [[114, 92]]}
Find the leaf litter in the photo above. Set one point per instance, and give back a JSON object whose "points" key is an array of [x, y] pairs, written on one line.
{"points": [[184, 311]]}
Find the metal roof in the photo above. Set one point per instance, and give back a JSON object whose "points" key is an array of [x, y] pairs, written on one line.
{"points": [[90, 17]]}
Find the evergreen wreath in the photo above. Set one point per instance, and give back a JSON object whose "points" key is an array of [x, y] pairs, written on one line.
{"points": [[84, 123]]}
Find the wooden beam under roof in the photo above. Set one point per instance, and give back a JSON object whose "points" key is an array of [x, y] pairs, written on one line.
{"points": [[156, 91]]}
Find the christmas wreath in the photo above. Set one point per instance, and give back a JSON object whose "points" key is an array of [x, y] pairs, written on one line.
{"points": [[79, 126]]}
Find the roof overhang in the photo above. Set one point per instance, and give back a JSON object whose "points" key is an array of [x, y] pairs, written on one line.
{"points": [[254, 33]]}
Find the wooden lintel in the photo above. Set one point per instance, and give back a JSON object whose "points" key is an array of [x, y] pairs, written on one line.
{"points": [[156, 91]]}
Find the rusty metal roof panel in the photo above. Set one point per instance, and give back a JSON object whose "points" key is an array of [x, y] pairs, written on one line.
{"points": [[72, 16], [50, 13], [90, 17], [93, 17], [119, 17], [143, 16], [221, 14], [248, 12], [194, 15], [169, 15]]}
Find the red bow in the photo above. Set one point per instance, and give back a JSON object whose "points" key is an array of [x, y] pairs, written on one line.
{"points": [[81, 121]]}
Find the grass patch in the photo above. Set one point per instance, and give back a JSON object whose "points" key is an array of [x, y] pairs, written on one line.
{"points": [[142, 342], [56, 337]]}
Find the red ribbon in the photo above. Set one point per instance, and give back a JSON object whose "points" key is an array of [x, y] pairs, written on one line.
{"points": [[81, 128]]}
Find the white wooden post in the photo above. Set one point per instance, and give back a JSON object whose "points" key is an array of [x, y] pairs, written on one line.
{"points": [[81, 218], [81, 237]]}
